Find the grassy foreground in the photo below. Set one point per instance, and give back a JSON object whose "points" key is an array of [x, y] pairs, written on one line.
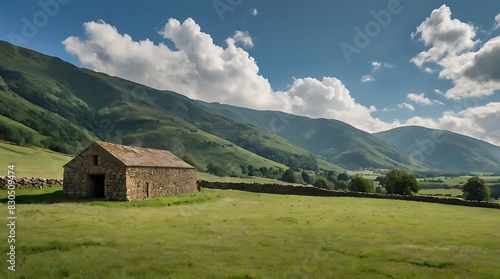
{"points": [[233, 234]]}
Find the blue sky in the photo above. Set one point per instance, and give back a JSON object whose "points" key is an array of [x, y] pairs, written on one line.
{"points": [[421, 66]]}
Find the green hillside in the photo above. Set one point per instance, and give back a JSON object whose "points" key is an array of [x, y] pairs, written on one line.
{"points": [[334, 140], [49, 103], [444, 150], [32, 161]]}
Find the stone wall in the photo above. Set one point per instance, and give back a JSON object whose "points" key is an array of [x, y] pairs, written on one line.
{"points": [[313, 191], [149, 182], [30, 182], [76, 174]]}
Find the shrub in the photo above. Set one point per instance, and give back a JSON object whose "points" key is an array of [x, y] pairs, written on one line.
{"points": [[306, 177], [323, 183], [495, 191], [476, 189], [341, 185], [216, 170], [400, 182], [289, 176], [361, 184]]}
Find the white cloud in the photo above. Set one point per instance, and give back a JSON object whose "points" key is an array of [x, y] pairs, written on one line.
{"points": [[478, 122], [437, 91], [200, 69], [254, 12], [376, 66], [422, 100], [379, 65], [428, 70], [367, 78], [242, 37], [452, 47], [407, 106], [329, 98], [373, 108], [497, 22]]}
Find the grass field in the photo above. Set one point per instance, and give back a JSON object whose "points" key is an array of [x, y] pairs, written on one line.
{"points": [[32, 161], [233, 234], [252, 179], [452, 192]]}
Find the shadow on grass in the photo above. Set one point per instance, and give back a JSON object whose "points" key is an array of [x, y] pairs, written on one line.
{"points": [[58, 196], [49, 198]]}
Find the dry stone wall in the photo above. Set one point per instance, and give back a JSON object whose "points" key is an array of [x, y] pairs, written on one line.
{"points": [[313, 191], [30, 182]]}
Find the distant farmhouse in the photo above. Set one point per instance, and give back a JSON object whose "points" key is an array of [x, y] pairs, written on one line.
{"points": [[127, 173]]}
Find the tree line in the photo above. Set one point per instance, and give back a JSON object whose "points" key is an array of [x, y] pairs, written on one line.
{"points": [[397, 182]]}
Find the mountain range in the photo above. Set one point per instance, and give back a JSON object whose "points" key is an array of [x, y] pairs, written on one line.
{"points": [[444, 150], [50, 103]]}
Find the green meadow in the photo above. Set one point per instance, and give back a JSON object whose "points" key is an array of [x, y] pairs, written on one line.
{"points": [[234, 234], [32, 161]]}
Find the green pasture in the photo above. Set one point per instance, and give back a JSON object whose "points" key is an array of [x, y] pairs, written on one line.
{"points": [[234, 234]]}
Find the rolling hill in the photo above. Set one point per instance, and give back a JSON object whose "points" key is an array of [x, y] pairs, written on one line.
{"points": [[444, 150], [334, 140], [49, 103]]}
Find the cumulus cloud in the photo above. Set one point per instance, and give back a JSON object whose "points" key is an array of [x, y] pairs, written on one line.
{"points": [[242, 37], [254, 12], [422, 100], [367, 78], [203, 70], [329, 98], [452, 45], [379, 65], [478, 122], [497, 22], [407, 106], [428, 70]]}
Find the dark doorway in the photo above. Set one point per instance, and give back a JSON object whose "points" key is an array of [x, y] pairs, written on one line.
{"points": [[96, 185]]}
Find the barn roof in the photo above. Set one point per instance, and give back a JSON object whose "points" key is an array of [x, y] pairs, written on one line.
{"points": [[143, 157]]}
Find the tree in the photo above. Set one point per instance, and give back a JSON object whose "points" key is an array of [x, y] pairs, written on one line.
{"points": [[343, 176], [333, 179], [29, 139], [361, 184], [400, 182], [476, 190], [321, 182], [341, 185], [306, 177], [244, 169], [289, 176], [216, 170], [251, 170], [495, 191], [379, 190]]}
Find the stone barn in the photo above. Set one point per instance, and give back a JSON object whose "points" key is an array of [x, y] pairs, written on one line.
{"points": [[126, 173]]}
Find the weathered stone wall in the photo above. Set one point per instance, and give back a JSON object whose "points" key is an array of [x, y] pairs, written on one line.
{"points": [[149, 182], [30, 182], [76, 174], [313, 191]]}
